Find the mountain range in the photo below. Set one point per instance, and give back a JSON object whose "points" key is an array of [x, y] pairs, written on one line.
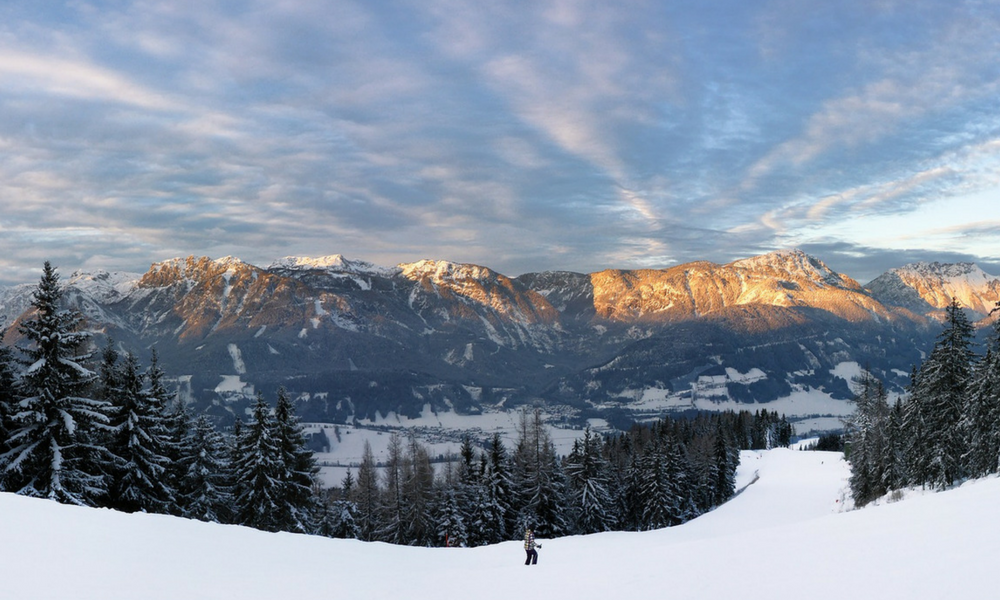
{"points": [[351, 340]]}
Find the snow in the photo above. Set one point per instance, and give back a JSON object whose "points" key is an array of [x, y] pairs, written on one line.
{"points": [[786, 531], [237, 356]]}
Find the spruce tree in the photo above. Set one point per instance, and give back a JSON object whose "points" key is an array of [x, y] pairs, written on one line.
{"points": [[366, 496], [298, 474], [138, 442], [981, 420], [392, 524], [257, 472], [204, 491], [588, 478], [943, 381], [53, 449], [539, 479]]}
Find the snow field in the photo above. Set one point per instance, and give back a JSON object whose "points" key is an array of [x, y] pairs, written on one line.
{"points": [[784, 535]]}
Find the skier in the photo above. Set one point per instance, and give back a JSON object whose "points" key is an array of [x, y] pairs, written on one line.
{"points": [[529, 547]]}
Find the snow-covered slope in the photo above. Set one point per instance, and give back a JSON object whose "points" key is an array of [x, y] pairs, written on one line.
{"points": [[783, 536]]}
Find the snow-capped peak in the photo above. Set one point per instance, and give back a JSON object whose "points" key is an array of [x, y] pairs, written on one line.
{"points": [[795, 262], [105, 286], [442, 270], [333, 262]]}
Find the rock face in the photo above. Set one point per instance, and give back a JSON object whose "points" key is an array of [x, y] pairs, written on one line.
{"points": [[354, 340]]}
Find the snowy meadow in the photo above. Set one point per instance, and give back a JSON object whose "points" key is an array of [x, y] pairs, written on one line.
{"points": [[788, 532]]}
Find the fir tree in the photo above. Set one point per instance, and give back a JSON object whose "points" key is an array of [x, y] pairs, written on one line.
{"points": [[53, 450], [298, 505], [203, 488], [451, 531], [341, 516], [138, 441], [257, 471], [943, 382], [366, 496], [587, 474], [392, 522], [981, 420], [539, 479]]}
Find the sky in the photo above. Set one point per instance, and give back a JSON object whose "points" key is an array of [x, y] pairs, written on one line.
{"points": [[524, 136], [785, 534]]}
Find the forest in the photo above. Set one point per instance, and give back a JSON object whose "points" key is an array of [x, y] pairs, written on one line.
{"points": [[946, 429]]}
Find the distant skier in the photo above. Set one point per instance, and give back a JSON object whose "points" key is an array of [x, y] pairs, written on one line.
{"points": [[529, 547]]}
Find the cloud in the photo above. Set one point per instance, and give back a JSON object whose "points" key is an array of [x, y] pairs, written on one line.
{"points": [[522, 135]]}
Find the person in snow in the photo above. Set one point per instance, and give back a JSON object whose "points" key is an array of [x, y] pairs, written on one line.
{"points": [[529, 547]]}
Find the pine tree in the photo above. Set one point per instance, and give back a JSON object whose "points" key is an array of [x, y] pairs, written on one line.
{"points": [[8, 399], [203, 489], [539, 479], [366, 496], [981, 420], [868, 437], [451, 531], [417, 492], [392, 521], [943, 381], [587, 474], [53, 450], [257, 470], [138, 441], [298, 503], [341, 516]]}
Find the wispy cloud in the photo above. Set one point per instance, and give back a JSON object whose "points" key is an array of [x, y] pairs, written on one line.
{"points": [[524, 135]]}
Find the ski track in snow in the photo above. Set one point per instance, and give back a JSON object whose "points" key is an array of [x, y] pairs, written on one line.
{"points": [[784, 535]]}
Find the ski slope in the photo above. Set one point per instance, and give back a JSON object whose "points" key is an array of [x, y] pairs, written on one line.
{"points": [[785, 535]]}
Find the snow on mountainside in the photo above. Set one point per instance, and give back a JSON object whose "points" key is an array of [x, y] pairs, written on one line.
{"points": [[786, 531], [335, 263], [926, 287]]}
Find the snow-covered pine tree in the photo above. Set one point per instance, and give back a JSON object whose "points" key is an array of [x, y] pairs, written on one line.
{"points": [[53, 450], [341, 515], [418, 491], [943, 382], [450, 528], [659, 503], [867, 437], [538, 479], [138, 442], [8, 399], [588, 478], [490, 516], [981, 419], [298, 502], [257, 493], [727, 458], [203, 491]]}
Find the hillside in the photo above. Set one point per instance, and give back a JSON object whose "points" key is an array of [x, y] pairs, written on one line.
{"points": [[786, 533]]}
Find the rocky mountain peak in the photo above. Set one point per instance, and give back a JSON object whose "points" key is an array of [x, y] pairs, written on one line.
{"points": [[796, 264], [925, 287]]}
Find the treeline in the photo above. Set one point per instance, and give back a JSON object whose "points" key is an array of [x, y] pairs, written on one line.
{"points": [[653, 476], [109, 436], [945, 430]]}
